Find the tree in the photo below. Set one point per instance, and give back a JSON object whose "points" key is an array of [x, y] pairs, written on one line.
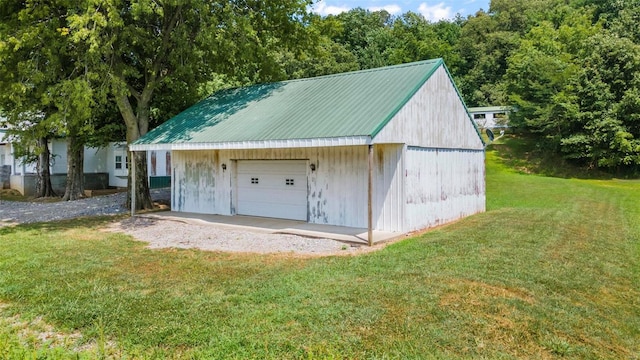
{"points": [[326, 57], [47, 87], [142, 45], [28, 72], [415, 38], [606, 92], [367, 34], [538, 74]]}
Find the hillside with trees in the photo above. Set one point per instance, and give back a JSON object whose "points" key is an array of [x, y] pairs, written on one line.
{"points": [[93, 71]]}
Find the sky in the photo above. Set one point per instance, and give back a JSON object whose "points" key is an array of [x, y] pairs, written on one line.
{"points": [[432, 10]]}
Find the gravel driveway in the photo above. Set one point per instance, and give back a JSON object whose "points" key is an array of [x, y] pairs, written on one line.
{"points": [[164, 233], [15, 212]]}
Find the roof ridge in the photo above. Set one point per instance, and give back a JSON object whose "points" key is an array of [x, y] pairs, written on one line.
{"points": [[362, 71], [329, 76]]}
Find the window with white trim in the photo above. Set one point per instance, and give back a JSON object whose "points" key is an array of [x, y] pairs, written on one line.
{"points": [[121, 163]]}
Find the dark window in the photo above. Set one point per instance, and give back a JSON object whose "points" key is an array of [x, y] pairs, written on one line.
{"points": [[254, 180]]}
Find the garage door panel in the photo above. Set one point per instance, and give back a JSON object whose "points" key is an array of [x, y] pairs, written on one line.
{"points": [[273, 181], [273, 196], [273, 188]]}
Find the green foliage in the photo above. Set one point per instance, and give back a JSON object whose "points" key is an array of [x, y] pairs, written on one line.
{"points": [[156, 56], [363, 39], [606, 89], [569, 67]]}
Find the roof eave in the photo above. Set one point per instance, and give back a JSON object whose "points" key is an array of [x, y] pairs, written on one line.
{"points": [[261, 144]]}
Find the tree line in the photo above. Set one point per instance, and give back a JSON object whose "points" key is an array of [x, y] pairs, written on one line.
{"points": [[94, 71]]}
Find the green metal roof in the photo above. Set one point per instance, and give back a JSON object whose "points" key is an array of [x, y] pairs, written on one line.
{"points": [[350, 104]]}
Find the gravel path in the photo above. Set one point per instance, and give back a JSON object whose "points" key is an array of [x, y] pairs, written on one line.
{"points": [[164, 233], [15, 212]]}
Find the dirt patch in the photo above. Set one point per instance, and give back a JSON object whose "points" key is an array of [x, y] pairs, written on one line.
{"points": [[37, 334]]}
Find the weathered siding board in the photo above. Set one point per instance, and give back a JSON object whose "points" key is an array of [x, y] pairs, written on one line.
{"points": [[195, 188], [337, 190], [443, 185], [338, 187], [435, 118], [58, 149], [95, 160], [388, 187]]}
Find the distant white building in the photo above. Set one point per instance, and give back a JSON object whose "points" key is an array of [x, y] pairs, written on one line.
{"points": [[104, 167], [490, 117]]}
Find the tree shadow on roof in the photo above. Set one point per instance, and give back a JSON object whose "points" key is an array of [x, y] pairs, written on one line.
{"points": [[209, 112]]}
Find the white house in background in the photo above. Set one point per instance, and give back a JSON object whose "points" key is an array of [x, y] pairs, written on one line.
{"points": [[390, 149], [104, 167], [491, 117], [158, 166], [5, 157]]}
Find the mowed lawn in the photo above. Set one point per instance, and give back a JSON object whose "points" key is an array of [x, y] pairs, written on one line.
{"points": [[551, 270]]}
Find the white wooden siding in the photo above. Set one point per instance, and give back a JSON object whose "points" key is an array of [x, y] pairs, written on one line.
{"points": [[58, 149], [434, 118], [336, 194], [196, 183], [161, 163], [443, 185], [388, 187], [95, 160], [338, 187]]}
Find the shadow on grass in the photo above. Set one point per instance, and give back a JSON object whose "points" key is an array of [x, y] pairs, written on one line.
{"points": [[88, 222], [523, 155]]}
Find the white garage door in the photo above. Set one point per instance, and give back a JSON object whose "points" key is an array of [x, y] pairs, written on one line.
{"points": [[273, 188]]}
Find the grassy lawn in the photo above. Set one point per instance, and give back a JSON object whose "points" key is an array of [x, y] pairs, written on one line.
{"points": [[551, 270]]}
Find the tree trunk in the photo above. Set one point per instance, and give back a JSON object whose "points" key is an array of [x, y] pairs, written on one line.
{"points": [[143, 195], [75, 170], [43, 183], [136, 127]]}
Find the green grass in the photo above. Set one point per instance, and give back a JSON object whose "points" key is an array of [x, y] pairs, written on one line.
{"points": [[551, 270], [525, 155]]}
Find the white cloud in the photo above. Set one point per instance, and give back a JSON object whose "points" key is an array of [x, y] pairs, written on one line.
{"points": [[322, 9], [392, 9], [436, 12]]}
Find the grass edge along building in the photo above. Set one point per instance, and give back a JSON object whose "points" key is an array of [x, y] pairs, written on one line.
{"points": [[390, 149]]}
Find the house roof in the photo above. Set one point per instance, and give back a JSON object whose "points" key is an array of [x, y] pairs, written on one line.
{"points": [[341, 109], [488, 109]]}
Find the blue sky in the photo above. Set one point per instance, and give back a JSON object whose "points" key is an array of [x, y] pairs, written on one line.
{"points": [[432, 10]]}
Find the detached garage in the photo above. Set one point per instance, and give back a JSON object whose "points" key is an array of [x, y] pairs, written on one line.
{"points": [[390, 149]]}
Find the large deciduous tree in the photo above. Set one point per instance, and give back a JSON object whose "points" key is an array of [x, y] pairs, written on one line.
{"points": [[41, 85], [140, 46], [606, 91]]}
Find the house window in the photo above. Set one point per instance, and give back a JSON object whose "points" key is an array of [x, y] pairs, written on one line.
{"points": [[120, 164]]}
